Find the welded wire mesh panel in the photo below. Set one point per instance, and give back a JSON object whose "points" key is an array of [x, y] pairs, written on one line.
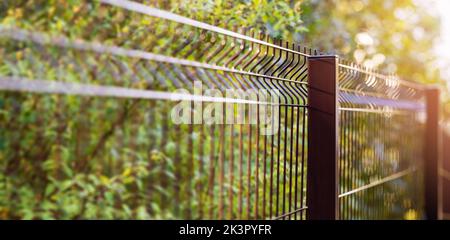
{"points": [[381, 129], [108, 120]]}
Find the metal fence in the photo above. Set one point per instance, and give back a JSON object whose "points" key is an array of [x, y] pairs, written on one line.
{"points": [[350, 143], [380, 151]]}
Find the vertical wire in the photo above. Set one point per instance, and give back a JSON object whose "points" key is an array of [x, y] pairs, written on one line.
{"points": [[358, 160], [264, 167], [341, 156], [272, 141], [190, 150], [177, 162], [304, 153], [341, 164], [350, 162], [296, 162], [360, 156], [344, 161], [200, 171], [303, 183], [290, 159], [347, 161], [211, 172], [286, 122], [386, 169], [291, 141], [353, 161], [277, 185], [257, 163], [370, 169], [373, 164], [285, 146], [249, 161], [240, 170], [165, 135], [383, 167], [221, 164], [362, 202], [271, 171], [231, 168], [380, 159], [277, 196], [153, 123]]}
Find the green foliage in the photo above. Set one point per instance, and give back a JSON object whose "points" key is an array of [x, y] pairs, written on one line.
{"points": [[281, 19], [395, 36]]}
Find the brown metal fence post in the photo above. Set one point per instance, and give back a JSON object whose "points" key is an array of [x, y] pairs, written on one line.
{"points": [[432, 147], [322, 190]]}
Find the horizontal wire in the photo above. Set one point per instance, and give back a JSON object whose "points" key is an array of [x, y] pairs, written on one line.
{"points": [[360, 93], [141, 8], [384, 77], [380, 102], [379, 182], [57, 87], [292, 105], [380, 111], [290, 213], [61, 41]]}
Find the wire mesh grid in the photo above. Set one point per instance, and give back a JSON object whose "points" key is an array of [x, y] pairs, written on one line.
{"points": [[95, 112], [381, 129], [100, 106]]}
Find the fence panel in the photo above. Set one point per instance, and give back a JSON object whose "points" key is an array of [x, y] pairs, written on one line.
{"points": [[102, 116], [381, 143]]}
